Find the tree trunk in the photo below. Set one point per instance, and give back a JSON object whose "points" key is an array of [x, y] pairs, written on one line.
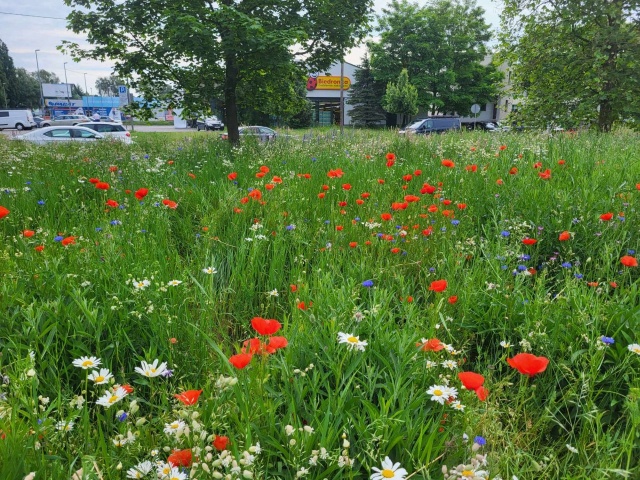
{"points": [[230, 100]]}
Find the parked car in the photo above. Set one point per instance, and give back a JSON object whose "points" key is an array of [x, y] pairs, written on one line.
{"points": [[18, 119], [65, 120], [426, 126], [38, 121], [60, 134], [209, 123], [109, 130], [263, 134]]}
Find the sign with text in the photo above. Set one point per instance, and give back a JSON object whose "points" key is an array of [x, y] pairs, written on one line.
{"points": [[53, 90], [328, 82], [123, 93]]}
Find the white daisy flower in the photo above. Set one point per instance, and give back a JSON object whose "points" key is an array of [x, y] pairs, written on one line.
{"points": [[388, 471], [352, 341], [174, 283], [450, 364], [209, 270], [152, 369], [635, 348], [111, 398], [505, 344], [100, 377], [176, 474], [457, 406], [571, 448], [177, 426], [141, 284], [64, 426], [441, 393], [87, 362]]}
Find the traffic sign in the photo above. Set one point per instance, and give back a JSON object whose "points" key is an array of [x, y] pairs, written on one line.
{"points": [[123, 93], [475, 108]]}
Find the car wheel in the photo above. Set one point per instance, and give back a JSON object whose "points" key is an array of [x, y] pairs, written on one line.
{"points": [[198, 127], [19, 126], [46, 125]]}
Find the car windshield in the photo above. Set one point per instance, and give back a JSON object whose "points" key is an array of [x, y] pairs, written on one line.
{"points": [[415, 125]]}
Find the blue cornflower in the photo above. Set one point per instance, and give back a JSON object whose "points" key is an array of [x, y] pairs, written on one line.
{"points": [[503, 267], [607, 340], [522, 268], [58, 238], [480, 440], [505, 233], [367, 283], [443, 229], [525, 257], [455, 223], [432, 269], [631, 252], [290, 227], [167, 373], [115, 222], [327, 222], [40, 202], [578, 276], [122, 417], [98, 229], [566, 265]]}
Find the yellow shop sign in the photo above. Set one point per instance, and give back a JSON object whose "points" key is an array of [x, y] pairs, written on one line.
{"points": [[328, 82]]}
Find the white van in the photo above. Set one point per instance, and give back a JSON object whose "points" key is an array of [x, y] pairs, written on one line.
{"points": [[18, 119]]}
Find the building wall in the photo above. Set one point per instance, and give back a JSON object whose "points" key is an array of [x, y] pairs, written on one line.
{"points": [[319, 94]]}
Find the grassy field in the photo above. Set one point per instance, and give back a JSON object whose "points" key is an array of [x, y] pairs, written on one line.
{"points": [[315, 307]]}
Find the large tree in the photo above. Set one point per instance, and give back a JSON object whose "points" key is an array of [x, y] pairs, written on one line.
{"points": [[401, 98], [27, 90], [366, 97], [108, 85], [574, 61], [443, 46], [7, 77], [206, 49]]}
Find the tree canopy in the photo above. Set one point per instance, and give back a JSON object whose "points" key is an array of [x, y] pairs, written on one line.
{"points": [[366, 97], [442, 46], [401, 98], [574, 62], [244, 51]]}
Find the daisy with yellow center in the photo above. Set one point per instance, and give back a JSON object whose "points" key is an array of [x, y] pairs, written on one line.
{"points": [[174, 427], [389, 470], [100, 377], [635, 348], [352, 341], [111, 398], [152, 369], [442, 393], [86, 363]]}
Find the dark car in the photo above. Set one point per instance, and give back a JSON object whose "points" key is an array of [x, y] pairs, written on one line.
{"points": [[439, 124], [38, 121], [262, 134]]}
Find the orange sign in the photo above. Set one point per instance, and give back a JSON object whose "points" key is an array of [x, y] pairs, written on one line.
{"points": [[328, 82]]}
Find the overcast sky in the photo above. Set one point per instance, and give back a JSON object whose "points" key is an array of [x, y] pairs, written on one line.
{"points": [[24, 32]]}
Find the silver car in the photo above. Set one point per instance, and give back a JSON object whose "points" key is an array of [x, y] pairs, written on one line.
{"points": [[46, 135], [65, 120], [109, 130]]}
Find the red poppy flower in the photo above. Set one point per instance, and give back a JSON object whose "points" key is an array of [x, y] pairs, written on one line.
{"points": [[499, 181], [337, 173], [68, 241], [141, 193], [605, 217], [94, 180], [321, 195], [39, 248], [407, 178], [561, 162], [381, 181], [513, 171], [255, 194], [276, 343], [220, 442], [28, 233], [482, 393], [265, 326], [546, 175], [432, 208], [564, 236], [359, 201], [269, 186], [529, 241], [252, 346], [461, 206], [353, 244], [390, 156], [471, 380], [293, 287], [452, 299], [503, 147], [431, 345], [528, 364], [427, 231], [240, 360], [339, 228], [342, 203], [448, 163], [411, 198], [629, 261], [127, 388], [190, 397], [471, 168], [346, 186], [180, 458], [264, 169], [191, 175], [102, 186], [170, 203], [438, 286], [260, 174], [113, 168], [232, 176], [112, 203], [386, 217], [399, 205], [427, 189], [3, 212]]}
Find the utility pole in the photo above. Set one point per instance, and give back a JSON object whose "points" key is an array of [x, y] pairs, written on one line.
{"points": [[40, 82], [66, 87], [342, 96], [86, 90]]}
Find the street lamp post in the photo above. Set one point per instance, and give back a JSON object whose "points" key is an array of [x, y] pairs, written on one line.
{"points": [[85, 84], [66, 86], [40, 82]]}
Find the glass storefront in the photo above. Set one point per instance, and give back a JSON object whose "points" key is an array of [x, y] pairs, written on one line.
{"points": [[326, 111]]}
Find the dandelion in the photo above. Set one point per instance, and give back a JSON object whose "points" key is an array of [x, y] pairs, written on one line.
{"points": [[209, 270], [352, 341], [152, 369], [111, 398], [100, 377], [87, 362], [389, 470], [174, 427]]}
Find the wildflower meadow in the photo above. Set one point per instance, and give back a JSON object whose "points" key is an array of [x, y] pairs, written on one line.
{"points": [[462, 306]]}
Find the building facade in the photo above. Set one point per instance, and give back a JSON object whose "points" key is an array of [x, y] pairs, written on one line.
{"points": [[323, 91]]}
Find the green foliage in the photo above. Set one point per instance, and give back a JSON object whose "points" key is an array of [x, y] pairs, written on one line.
{"points": [[366, 97], [401, 98], [573, 62], [108, 86], [250, 53], [442, 45]]}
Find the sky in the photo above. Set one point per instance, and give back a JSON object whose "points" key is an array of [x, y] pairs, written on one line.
{"points": [[24, 32]]}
